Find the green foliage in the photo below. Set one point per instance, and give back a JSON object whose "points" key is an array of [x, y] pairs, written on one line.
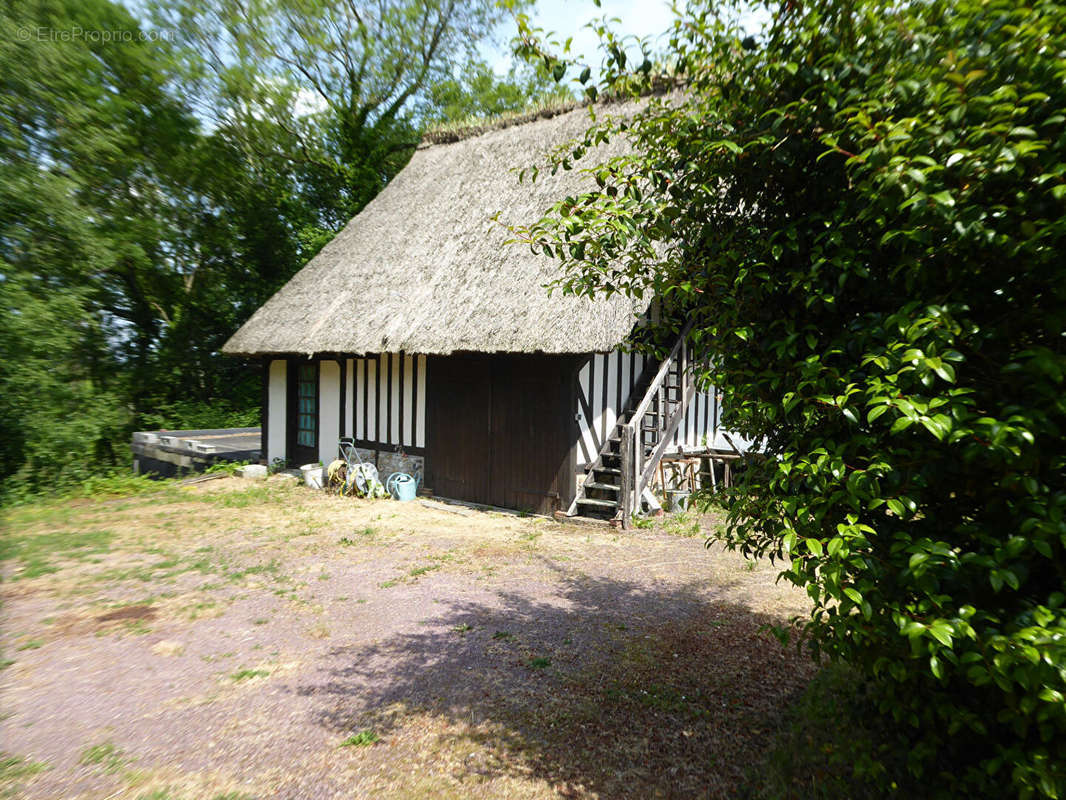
{"points": [[330, 96], [863, 212], [154, 194], [196, 414]]}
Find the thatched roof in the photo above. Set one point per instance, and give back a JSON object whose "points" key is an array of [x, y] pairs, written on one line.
{"points": [[424, 269]]}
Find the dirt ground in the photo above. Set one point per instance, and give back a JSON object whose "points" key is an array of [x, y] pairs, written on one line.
{"points": [[258, 640]]}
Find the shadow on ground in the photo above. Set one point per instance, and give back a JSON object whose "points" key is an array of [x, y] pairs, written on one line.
{"points": [[605, 688]]}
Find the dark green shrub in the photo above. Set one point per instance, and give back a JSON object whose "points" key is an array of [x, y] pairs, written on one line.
{"points": [[864, 209]]}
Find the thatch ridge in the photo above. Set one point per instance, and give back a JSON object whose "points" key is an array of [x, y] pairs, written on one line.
{"points": [[468, 129], [424, 269], [446, 133]]}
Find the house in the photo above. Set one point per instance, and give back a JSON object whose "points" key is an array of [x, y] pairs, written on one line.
{"points": [[419, 333]]}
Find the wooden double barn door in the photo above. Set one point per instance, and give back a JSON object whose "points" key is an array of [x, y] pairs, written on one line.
{"points": [[499, 429]]}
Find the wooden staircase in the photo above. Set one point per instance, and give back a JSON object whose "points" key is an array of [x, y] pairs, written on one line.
{"points": [[622, 469]]}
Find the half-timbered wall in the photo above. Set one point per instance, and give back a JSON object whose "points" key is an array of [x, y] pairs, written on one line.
{"points": [[385, 401], [604, 385], [700, 427]]}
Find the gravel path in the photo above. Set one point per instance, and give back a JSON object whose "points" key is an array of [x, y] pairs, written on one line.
{"points": [[226, 641]]}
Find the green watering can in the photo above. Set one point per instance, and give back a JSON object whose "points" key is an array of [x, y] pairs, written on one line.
{"points": [[401, 486]]}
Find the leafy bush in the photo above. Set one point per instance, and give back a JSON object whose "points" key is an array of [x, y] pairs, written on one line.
{"points": [[58, 424], [194, 415], [864, 210]]}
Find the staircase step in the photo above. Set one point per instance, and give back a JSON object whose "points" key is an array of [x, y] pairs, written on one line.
{"points": [[606, 487], [612, 470], [588, 501]]}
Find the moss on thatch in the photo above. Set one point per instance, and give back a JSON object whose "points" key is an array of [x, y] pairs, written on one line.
{"points": [[424, 268]]}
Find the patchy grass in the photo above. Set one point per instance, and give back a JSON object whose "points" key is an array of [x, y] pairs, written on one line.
{"points": [[14, 770], [550, 660], [256, 495], [177, 794], [106, 757], [42, 553]]}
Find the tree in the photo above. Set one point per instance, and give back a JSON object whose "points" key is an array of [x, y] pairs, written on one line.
{"points": [[153, 194], [863, 211], [88, 145], [310, 108], [337, 92]]}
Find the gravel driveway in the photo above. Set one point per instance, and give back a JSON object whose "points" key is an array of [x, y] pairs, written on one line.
{"points": [[239, 640]]}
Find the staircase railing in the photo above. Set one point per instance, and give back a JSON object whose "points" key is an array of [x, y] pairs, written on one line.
{"points": [[637, 470]]}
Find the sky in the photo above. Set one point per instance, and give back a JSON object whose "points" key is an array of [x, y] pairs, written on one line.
{"points": [[569, 17]]}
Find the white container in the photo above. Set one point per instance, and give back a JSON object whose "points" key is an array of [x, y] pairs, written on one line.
{"points": [[253, 471], [312, 475], [678, 499]]}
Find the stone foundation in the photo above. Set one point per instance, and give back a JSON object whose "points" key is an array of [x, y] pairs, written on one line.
{"points": [[388, 462]]}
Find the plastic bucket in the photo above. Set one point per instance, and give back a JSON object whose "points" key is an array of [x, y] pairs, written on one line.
{"points": [[312, 475], [401, 486], [678, 499]]}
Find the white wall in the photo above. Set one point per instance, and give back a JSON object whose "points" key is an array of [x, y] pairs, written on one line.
{"points": [[329, 410], [349, 397], [277, 399]]}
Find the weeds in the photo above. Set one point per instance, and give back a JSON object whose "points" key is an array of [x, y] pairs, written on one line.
{"points": [[417, 572], [682, 523], [361, 739], [248, 674]]}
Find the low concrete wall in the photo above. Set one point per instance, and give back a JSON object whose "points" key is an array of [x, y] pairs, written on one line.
{"points": [[169, 453]]}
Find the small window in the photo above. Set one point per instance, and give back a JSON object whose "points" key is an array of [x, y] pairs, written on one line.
{"points": [[307, 406]]}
